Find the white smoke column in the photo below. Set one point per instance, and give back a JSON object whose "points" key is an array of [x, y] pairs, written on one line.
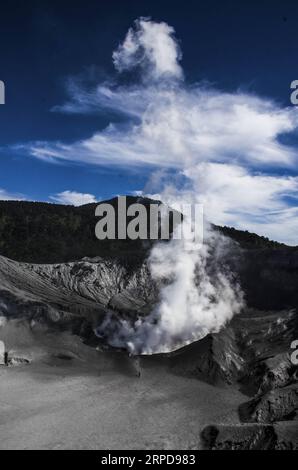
{"points": [[193, 302], [194, 299]]}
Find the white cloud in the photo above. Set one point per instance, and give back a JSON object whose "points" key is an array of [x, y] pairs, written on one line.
{"points": [[151, 46], [73, 198], [227, 145], [179, 126], [234, 196], [8, 196], [130, 101]]}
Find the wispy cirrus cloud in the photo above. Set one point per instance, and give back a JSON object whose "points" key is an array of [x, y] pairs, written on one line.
{"points": [[10, 196], [227, 145], [180, 125]]}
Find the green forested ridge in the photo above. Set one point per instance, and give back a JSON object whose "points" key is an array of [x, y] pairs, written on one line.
{"points": [[45, 233]]}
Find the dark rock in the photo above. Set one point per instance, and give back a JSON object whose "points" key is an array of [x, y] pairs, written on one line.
{"points": [[281, 436], [287, 435], [215, 359], [276, 405], [239, 437]]}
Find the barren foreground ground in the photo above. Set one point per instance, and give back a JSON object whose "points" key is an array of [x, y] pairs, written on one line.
{"points": [[99, 403]]}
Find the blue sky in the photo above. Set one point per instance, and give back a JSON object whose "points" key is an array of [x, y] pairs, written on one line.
{"points": [[67, 128]]}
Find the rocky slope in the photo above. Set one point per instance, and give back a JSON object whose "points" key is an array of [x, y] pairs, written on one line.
{"points": [[73, 295]]}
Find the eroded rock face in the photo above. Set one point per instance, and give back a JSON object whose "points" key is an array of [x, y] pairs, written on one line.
{"points": [[262, 342], [277, 405], [270, 373], [252, 350], [251, 437], [239, 437], [215, 359], [287, 435], [74, 296]]}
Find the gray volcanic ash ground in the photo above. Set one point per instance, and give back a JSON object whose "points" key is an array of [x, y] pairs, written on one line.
{"points": [[76, 398]]}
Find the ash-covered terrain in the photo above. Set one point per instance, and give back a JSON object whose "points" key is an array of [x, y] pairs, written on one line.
{"points": [[67, 387]]}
